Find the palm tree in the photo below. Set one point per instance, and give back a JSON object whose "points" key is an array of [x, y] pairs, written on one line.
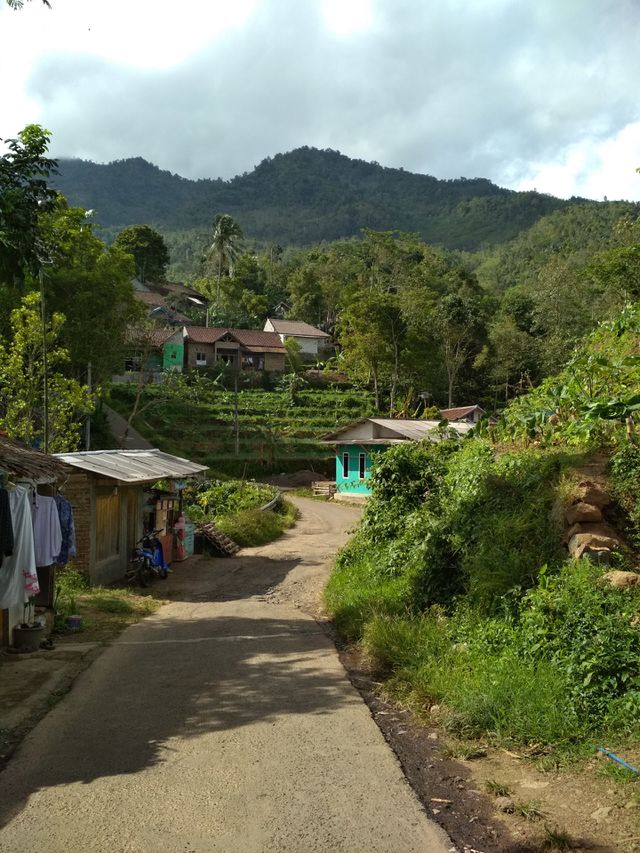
{"points": [[227, 235]]}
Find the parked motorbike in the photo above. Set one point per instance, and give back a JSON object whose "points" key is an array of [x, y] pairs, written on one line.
{"points": [[148, 560]]}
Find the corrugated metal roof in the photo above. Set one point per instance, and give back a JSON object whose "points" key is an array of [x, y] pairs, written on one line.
{"points": [[297, 328], [132, 466], [404, 428]]}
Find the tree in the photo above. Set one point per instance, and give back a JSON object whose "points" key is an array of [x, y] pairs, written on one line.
{"points": [[224, 247], [39, 405], [24, 195], [149, 251], [90, 284]]}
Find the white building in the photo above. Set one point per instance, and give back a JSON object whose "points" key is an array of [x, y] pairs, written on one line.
{"points": [[309, 339]]}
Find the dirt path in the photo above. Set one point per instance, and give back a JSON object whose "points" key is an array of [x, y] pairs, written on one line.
{"points": [[224, 722]]}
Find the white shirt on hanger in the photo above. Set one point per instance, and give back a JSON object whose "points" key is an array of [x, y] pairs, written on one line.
{"points": [[19, 570]]}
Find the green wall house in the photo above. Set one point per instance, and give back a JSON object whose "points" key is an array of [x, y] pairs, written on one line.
{"points": [[358, 444]]}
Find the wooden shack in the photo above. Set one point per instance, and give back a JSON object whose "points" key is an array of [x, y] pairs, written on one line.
{"points": [[107, 489]]}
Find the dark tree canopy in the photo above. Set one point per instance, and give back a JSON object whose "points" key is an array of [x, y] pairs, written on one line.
{"points": [[24, 195], [149, 251]]}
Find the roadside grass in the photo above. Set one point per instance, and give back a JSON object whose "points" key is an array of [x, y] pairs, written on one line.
{"points": [[253, 527], [104, 611]]}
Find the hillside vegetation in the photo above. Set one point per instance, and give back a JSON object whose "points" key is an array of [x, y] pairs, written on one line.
{"points": [[275, 435], [460, 590], [304, 197]]}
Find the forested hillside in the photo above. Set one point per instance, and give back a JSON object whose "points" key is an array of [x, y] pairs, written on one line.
{"points": [[307, 196]]}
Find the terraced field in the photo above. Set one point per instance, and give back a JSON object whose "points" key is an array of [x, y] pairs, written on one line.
{"points": [[275, 436]]}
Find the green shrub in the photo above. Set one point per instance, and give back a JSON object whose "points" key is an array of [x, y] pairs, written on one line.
{"points": [[584, 627], [252, 527]]}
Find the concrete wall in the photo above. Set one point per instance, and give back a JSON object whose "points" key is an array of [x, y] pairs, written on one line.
{"points": [[352, 483]]}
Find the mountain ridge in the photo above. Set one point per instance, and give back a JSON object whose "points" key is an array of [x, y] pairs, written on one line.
{"points": [[307, 196]]}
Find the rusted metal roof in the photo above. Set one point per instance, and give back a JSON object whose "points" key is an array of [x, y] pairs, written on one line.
{"points": [[133, 466], [460, 412], [21, 461]]}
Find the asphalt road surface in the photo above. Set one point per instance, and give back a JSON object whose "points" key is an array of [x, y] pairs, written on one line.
{"points": [[224, 722]]}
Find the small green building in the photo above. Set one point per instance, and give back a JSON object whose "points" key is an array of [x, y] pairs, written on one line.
{"points": [[358, 444]]}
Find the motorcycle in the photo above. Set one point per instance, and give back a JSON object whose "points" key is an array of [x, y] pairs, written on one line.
{"points": [[148, 560]]}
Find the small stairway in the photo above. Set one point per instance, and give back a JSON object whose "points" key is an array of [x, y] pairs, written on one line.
{"points": [[222, 544]]}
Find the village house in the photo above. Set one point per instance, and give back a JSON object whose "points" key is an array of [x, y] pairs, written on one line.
{"points": [[152, 351], [108, 490], [463, 414], [166, 301], [358, 444], [240, 349], [310, 340]]}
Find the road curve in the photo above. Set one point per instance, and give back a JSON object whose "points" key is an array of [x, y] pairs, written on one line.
{"points": [[224, 722]]}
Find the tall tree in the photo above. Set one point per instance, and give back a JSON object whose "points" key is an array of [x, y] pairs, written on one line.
{"points": [[225, 246], [24, 195], [39, 404], [91, 285], [149, 251]]}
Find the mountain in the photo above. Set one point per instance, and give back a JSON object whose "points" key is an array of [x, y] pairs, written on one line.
{"points": [[307, 196]]}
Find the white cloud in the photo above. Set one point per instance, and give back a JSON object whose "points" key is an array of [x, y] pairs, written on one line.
{"points": [[522, 93]]}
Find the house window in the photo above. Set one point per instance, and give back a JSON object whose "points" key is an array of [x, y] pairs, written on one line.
{"points": [[362, 465], [345, 466], [201, 359]]}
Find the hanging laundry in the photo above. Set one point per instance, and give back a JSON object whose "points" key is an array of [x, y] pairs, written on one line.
{"points": [[47, 535], [6, 527], [67, 527], [18, 573]]}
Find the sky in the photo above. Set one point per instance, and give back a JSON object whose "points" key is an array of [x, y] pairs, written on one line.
{"points": [[532, 94]]}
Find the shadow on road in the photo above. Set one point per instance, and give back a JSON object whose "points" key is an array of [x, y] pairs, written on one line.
{"points": [[202, 579], [174, 678]]}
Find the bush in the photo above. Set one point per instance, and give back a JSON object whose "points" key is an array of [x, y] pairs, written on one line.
{"points": [[252, 527]]}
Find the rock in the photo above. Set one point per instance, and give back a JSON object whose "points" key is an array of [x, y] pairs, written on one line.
{"points": [[505, 804], [582, 512], [621, 580], [601, 813], [592, 493], [595, 537]]}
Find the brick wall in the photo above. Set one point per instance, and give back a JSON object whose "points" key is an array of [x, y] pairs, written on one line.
{"points": [[77, 490]]}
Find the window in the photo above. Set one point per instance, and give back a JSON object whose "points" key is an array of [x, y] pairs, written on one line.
{"points": [[201, 359], [362, 465], [345, 465]]}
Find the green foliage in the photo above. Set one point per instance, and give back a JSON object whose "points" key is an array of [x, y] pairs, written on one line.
{"points": [[307, 196], [252, 527], [584, 627], [197, 422], [22, 401], [596, 391], [522, 646], [24, 194], [624, 478], [148, 249], [212, 499]]}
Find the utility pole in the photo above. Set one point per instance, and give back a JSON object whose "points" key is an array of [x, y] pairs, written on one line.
{"points": [[87, 438], [45, 367], [236, 422]]}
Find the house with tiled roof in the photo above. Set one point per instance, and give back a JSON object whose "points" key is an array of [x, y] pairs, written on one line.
{"points": [[310, 340], [463, 414], [241, 349], [167, 301]]}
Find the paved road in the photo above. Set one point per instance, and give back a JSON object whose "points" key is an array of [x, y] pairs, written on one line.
{"points": [[224, 722]]}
